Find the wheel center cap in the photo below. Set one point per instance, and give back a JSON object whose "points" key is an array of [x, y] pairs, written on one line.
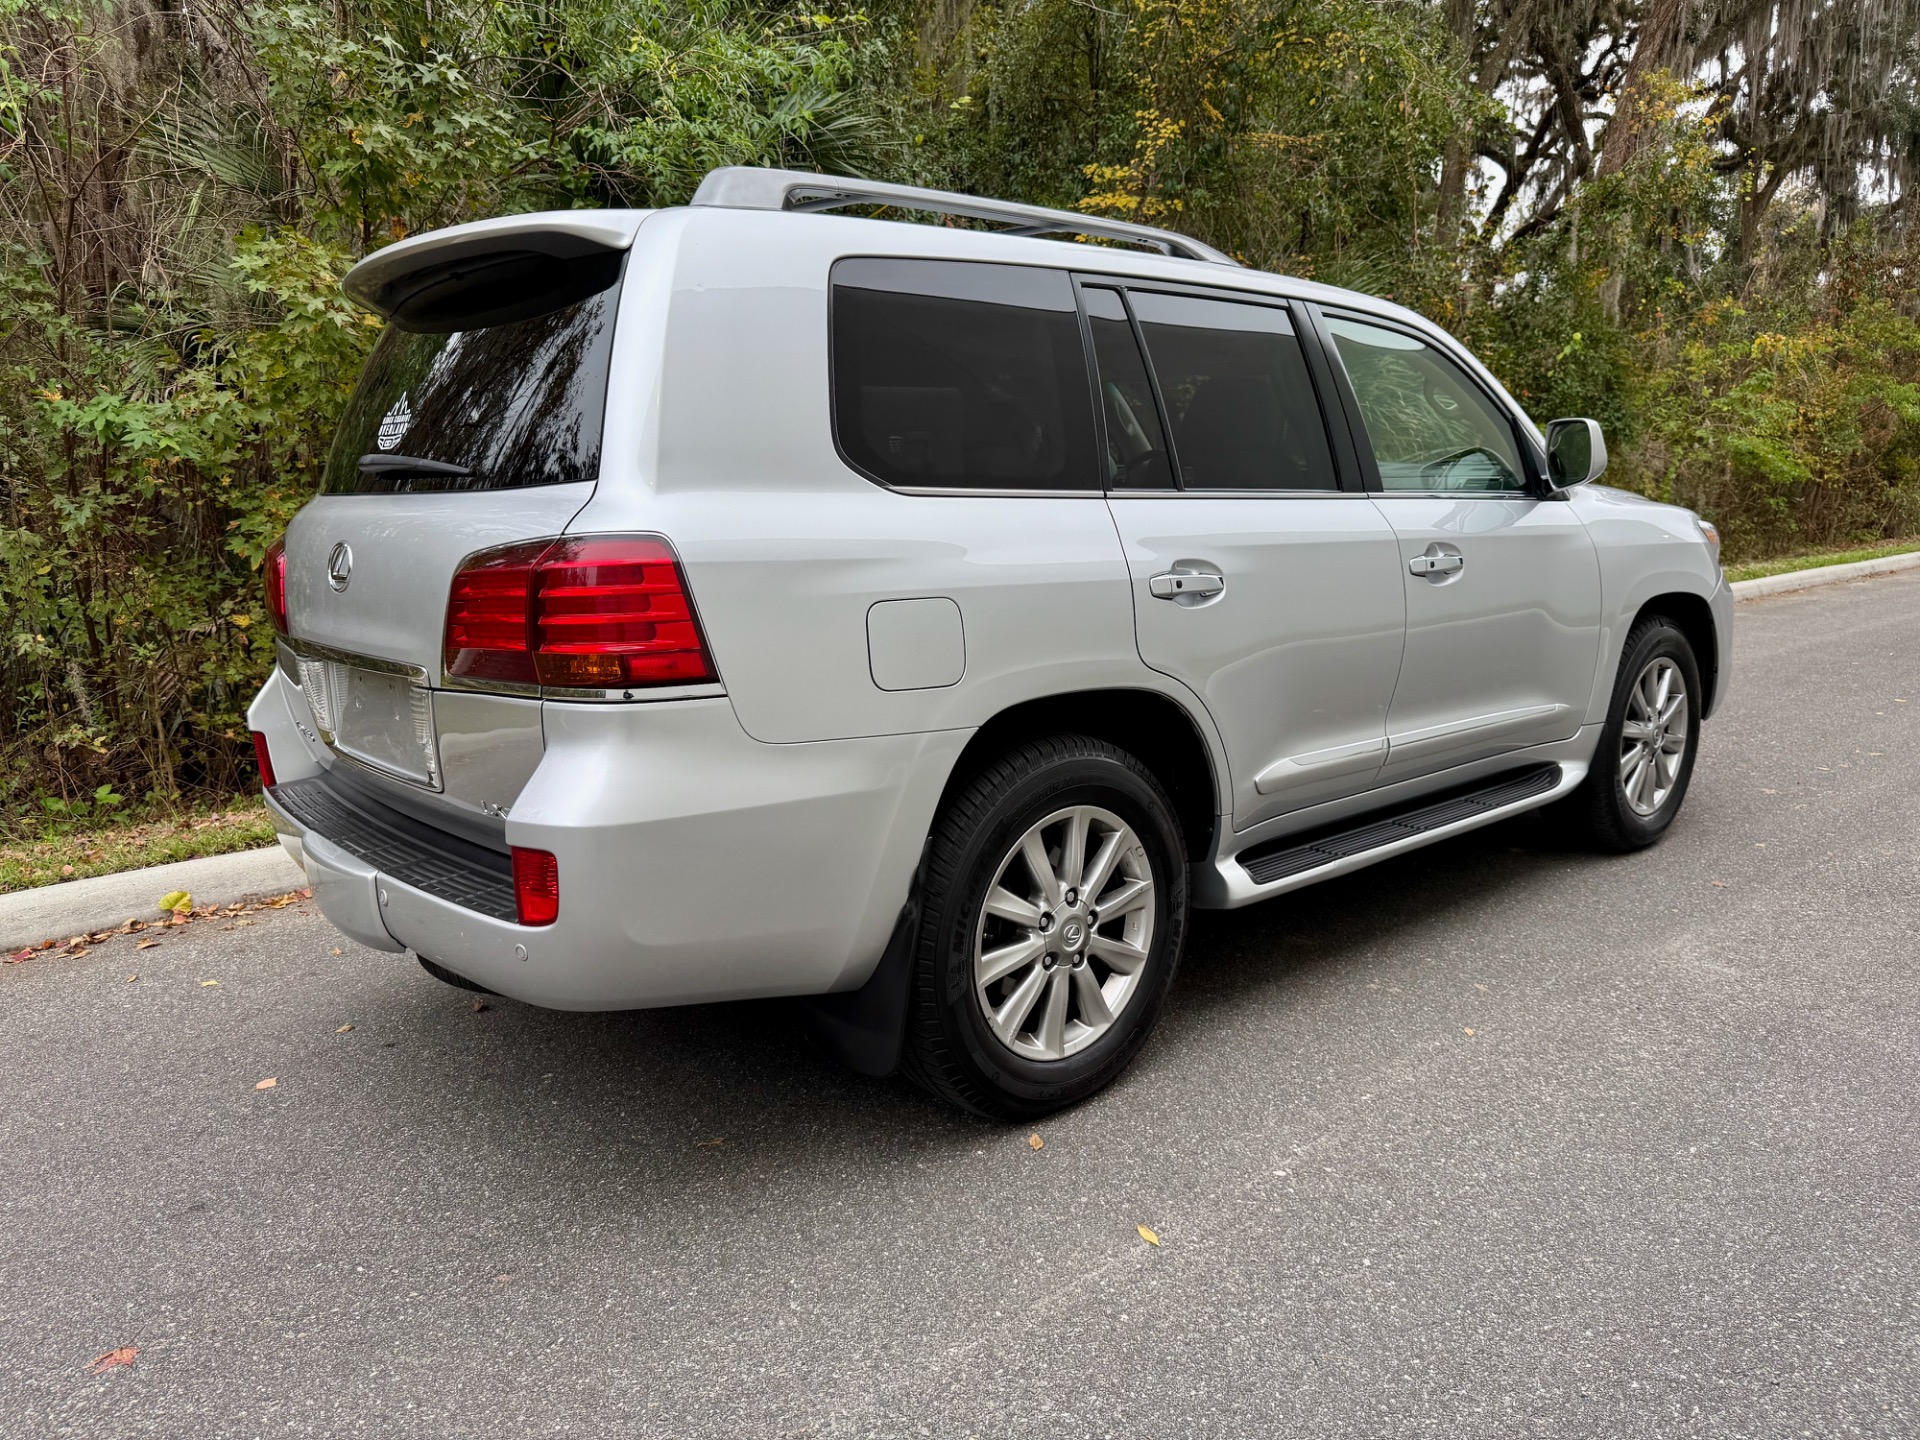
{"points": [[1073, 934]]}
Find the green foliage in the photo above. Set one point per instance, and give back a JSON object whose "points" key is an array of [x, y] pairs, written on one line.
{"points": [[1296, 133]]}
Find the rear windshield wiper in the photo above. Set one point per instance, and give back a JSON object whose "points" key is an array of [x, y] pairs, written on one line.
{"points": [[409, 464]]}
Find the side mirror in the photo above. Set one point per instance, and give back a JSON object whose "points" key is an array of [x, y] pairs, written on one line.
{"points": [[1576, 452]]}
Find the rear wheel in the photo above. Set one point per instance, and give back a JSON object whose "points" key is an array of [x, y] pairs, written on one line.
{"points": [[1053, 911], [1644, 761]]}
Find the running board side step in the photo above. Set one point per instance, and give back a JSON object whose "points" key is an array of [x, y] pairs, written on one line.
{"points": [[1293, 861]]}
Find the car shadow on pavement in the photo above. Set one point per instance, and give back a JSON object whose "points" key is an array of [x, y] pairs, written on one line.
{"points": [[679, 1092]]}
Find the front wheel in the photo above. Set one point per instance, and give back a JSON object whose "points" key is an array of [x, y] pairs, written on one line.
{"points": [[1644, 761], [1053, 912]]}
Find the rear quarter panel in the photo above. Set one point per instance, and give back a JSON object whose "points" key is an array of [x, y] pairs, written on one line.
{"points": [[720, 437]]}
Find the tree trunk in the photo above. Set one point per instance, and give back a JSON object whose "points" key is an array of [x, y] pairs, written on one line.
{"points": [[1458, 157], [1625, 134]]}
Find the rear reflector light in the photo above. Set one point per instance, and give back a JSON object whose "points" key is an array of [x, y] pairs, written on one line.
{"points": [[263, 759], [536, 886], [273, 570], [594, 612]]}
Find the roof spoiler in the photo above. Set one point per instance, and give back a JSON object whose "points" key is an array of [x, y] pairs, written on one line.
{"points": [[493, 272], [748, 187]]}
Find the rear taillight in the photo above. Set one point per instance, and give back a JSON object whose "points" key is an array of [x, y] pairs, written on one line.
{"points": [[264, 759], [536, 886], [593, 612], [273, 570]]}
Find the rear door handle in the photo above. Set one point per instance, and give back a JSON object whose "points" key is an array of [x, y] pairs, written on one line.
{"points": [[1182, 584], [1437, 560]]}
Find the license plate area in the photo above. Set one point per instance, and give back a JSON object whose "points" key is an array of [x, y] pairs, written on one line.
{"points": [[382, 720]]}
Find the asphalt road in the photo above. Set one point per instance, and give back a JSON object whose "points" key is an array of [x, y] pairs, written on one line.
{"points": [[1492, 1140]]}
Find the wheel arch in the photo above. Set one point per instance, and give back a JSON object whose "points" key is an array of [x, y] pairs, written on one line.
{"points": [[1152, 727], [1693, 616]]}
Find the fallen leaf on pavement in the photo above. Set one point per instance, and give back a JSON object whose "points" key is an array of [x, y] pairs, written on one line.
{"points": [[1468, 1029], [343, 1029], [1147, 1235], [132, 978], [145, 944], [178, 901], [709, 1144], [205, 983], [338, 951], [113, 1359], [1034, 1141], [269, 1083], [480, 1005]]}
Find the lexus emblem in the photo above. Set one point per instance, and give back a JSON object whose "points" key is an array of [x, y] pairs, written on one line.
{"points": [[339, 567]]}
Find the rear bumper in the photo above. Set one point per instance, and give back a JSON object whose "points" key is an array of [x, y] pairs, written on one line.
{"points": [[696, 863], [346, 888]]}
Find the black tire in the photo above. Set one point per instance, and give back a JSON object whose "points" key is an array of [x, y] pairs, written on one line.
{"points": [[1598, 815], [950, 1048], [447, 977]]}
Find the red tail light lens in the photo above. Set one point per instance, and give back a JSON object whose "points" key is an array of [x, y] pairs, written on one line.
{"points": [[273, 570], [536, 886], [263, 759], [488, 634], [600, 612]]}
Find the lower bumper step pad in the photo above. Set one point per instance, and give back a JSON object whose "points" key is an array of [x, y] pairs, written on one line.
{"points": [[444, 866], [1293, 855]]}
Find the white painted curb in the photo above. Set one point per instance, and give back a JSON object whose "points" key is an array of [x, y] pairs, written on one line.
{"points": [[1822, 575], [73, 907]]}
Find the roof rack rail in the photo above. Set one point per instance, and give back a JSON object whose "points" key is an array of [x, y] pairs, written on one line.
{"points": [[751, 187]]}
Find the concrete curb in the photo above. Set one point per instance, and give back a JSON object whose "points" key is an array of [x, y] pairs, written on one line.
{"points": [[72, 907], [1822, 575]]}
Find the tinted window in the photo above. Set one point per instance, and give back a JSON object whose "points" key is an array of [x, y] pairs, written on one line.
{"points": [[1237, 395], [1136, 449], [1431, 427], [961, 375], [509, 405]]}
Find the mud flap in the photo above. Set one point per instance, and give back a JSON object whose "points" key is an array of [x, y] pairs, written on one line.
{"points": [[864, 1029]]}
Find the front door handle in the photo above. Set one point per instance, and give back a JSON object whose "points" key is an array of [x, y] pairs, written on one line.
{"points": [[1437, 560], [1186, 585]]}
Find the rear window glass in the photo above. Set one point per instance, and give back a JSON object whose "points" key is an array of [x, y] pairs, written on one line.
{"points": [[1235, 386], [960, 375], [485, 409]]}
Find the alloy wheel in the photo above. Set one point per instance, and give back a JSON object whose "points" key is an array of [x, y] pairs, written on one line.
{"points": [[1654, 736], [1064, 933]]}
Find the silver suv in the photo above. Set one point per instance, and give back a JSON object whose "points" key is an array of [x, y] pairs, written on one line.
{"points": [[748, 599]]}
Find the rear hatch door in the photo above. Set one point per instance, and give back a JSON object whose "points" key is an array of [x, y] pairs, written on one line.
{"points": [[475, 423]]}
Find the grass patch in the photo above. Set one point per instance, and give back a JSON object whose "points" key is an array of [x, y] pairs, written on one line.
{"points": [[1757, 569], [73, 850]]}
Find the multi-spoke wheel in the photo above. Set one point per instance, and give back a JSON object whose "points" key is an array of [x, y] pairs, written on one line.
{"points": [[1645, 756], [1064, 933], [1052, 913], [1654, 735]]}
